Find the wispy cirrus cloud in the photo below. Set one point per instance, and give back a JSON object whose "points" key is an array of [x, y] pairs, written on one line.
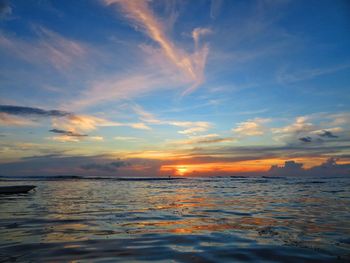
{"points": [[191, 65], [46, 47], [215, 8], [159, 67], [189, 127], [305, 74]]}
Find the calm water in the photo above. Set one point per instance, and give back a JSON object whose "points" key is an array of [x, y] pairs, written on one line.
{"points": [[193, 220]]}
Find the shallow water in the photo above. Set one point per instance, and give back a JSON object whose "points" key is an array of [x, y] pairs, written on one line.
{"points": [[192, 220]]}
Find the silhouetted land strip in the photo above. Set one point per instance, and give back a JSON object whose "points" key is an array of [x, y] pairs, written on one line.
{"points": [[16, 189], [77, 177]]}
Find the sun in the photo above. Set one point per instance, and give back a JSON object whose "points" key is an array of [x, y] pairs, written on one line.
{"points": [[181, 170]]}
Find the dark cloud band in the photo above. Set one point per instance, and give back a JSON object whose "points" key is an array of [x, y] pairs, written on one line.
{"points": [[68, 133], [24, 111]]}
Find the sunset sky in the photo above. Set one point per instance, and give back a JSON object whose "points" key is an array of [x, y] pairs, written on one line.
{"points": [[146, 88]]}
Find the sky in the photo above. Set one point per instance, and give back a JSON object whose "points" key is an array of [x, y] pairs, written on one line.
{"points": [[174, 88]]}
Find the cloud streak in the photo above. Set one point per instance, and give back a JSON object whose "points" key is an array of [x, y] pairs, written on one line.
{"points": [[67, 133], [20, 110], [191, 65], [191, 127], [48, 47]]}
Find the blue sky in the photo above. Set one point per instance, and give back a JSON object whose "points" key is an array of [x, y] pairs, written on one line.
{"points": [[177, 87]]}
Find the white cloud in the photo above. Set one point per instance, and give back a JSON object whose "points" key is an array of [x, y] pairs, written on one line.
{"points": [[300, 125], [126, 138], [254, 127]]}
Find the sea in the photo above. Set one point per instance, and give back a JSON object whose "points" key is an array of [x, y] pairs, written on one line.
{"points": [[216, 219]]}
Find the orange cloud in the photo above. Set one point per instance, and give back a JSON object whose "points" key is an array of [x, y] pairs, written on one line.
{"points": [[9, 120], [85, 123]]}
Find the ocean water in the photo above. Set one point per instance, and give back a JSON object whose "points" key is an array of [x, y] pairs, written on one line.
{"points": [[191, 220]]}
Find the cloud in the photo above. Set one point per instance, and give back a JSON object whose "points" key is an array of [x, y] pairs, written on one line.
{"points": [[289, 168], [61, 120], [69, 138], [85, 123], [215, 8], [26, 116], [306, 139], [126, 138], [328, 168], [190, 65], [327, 134], [79, 123], [245, 153], [320, 127], [96, 138], [336, 119], [192, 127], [68, 133], [106, 167], [65, 138], [8, 120], [310, 73], [198, 32], [203, 139], [48, 47], [58, 164], [161, 66], [20, 110], [300, 125], [145, 115], [253, 127]]}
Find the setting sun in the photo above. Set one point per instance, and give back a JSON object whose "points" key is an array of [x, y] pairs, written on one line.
{"points": [[181, 170]]}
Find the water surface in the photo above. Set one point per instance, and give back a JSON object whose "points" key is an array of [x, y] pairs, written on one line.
{"points": [[193, 220]]}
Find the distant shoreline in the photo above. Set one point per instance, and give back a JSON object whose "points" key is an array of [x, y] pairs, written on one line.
{"points": [[74, 177]]}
